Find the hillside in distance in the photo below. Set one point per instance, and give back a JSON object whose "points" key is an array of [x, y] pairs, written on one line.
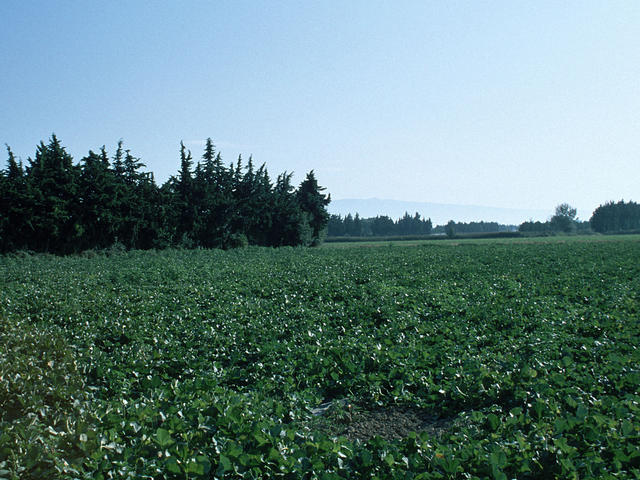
{"points": [[439, 213]]}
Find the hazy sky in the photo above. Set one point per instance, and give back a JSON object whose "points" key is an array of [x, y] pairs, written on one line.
{"points": [[520, 104]]}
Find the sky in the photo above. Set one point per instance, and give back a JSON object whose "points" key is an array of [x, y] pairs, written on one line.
{"points": [[514, 104]]}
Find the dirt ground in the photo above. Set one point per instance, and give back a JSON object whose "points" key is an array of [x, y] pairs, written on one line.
{"points": [[390, 423], [393, 424]]}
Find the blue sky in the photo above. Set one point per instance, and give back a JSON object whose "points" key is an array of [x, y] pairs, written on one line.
{"points": [[510, 104]]}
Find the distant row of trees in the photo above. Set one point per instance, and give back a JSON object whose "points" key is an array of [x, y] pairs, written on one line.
{"points": [[563, 220], [608, 218], [355, 226], [616, 217], [473, 227], [54, 205]]}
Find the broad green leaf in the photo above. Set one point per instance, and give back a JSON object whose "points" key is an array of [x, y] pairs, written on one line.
{"points": [[164, 438]]}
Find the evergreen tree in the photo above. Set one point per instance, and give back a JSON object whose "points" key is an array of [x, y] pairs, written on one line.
{"points": [[217, 203], [289, 224], [137, 209], [96, 205], [404, 225], [151, 228], [261, 207], [53, 180], [129, 204], [57, 206], [184, 199], [186, 162], [356, 226], [616, 217], [118, 160], [450, 229], [378, 226], [130, 168], [313, 202], [335, 226], [15, 205], [382, 225]]}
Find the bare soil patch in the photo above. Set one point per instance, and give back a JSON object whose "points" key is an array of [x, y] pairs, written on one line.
{"points": [[390, 423], [394, 423]]}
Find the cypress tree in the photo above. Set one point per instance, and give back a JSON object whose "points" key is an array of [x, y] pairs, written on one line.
{"points": [[313, 202], [15, 211], [53, 180], [96, 206], [289, 224], [60, 207]]}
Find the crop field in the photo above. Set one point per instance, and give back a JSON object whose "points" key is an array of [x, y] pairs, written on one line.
{"points": [[365, 242], [490, 360]]}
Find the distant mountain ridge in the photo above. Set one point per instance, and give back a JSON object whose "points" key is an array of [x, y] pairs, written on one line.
{"points": [[440, 213]]}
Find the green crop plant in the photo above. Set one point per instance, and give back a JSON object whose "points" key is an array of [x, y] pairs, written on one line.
{"points": [[480, 360]]}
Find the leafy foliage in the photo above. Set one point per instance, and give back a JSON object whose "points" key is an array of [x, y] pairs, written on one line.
{"points": [[563, 221], [208, 364]]}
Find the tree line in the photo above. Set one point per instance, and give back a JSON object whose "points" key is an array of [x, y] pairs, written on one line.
{"points": [[473, 227], [382, 225], [611, 217], [616, 217], [53, 205]]}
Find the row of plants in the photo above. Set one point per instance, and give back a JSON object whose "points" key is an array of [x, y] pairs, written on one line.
{"points": [[212, 364]]}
